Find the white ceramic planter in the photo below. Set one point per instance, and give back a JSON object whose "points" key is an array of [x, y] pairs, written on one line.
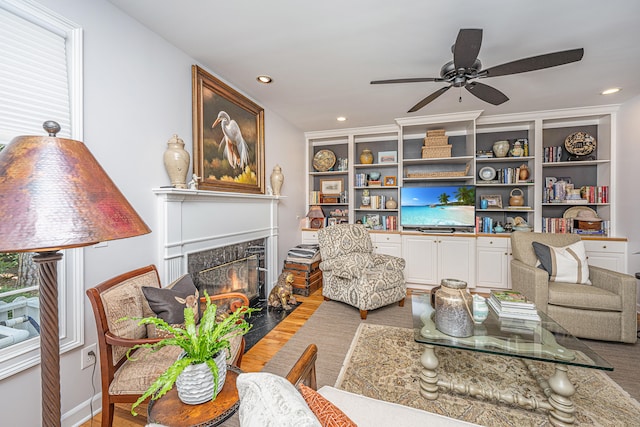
{"points": [[195, 384]]}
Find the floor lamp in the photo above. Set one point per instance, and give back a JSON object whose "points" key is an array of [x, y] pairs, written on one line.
{"points": [[54, 195]]}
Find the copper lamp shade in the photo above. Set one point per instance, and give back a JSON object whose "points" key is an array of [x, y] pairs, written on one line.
{"points": [[54, 195]]}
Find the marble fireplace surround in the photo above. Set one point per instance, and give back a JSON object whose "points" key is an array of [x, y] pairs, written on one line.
{"points": [[192, 221]]}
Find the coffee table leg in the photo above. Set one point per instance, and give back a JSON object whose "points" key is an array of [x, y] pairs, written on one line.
{"points": [[563, 410], [429, 376]]}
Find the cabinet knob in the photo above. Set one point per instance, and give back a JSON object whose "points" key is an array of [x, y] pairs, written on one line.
{"points": [[604, 247], [491, 242]]}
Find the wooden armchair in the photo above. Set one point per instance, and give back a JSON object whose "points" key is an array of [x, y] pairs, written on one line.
{"points": [[124, 380]]}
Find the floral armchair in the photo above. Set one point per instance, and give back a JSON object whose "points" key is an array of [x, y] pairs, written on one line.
{"points": [[353, 274]]}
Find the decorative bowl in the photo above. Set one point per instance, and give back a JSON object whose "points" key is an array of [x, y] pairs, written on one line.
{"points": [[487, 173], [374, 176]]}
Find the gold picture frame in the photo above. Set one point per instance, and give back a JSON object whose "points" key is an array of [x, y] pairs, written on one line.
{"points": [[390, 181], [228, 137]]}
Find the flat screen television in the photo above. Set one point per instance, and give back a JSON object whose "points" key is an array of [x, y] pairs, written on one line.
{"points": [[438, 207]]}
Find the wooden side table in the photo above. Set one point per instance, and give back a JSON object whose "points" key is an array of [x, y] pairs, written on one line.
{"points": [[169, 409]]}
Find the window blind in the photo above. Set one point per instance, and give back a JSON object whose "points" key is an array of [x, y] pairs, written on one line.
{"points": [[34, 83]]}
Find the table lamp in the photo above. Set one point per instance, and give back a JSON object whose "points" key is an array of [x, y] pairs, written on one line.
{"points": [[54, 195], [316, 217]]}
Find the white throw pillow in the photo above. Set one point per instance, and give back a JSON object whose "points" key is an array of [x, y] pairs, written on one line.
{"points": [[566, 264], [268, 400]]}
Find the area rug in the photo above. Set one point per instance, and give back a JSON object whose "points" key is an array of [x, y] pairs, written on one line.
{"points": [[383, 363]]}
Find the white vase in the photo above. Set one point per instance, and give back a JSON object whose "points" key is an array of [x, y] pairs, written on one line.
{"points": [[277, 178], [501, 148], [176, 162], [195, 384]]}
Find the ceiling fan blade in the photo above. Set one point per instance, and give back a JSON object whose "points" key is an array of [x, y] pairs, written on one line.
{"points": [[429, 98], [487, 93], [535, 63], [467, 47], [410, 80]]}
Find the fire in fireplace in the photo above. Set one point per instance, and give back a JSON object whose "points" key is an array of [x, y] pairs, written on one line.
{"points": [[234, 268], [235, 276]]}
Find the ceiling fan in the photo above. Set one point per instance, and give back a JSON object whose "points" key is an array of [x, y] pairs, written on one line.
{"points": [[466, 67]]}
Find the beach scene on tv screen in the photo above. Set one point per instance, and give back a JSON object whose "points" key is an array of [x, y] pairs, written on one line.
{"points": [[438, 206]]}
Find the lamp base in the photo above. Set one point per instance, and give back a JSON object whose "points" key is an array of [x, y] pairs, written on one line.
{"points": [[49, 337]]}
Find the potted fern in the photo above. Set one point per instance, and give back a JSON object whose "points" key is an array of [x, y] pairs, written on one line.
{"points": [[200, 371]]}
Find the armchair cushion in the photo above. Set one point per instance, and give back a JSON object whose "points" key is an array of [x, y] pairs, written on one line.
{"points": [[349, 266], [169, 303], [590, 298], [135, 376], [564, 264]]}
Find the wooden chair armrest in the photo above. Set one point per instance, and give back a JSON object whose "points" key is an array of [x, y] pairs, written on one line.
{"points": [[128, 342], [304, 369]]}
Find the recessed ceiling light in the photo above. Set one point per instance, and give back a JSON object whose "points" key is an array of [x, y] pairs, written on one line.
{"points": [[264, 79], [610, 91], [341, 119]]}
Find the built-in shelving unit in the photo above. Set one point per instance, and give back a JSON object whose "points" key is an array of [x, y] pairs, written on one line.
{"points": [[471, 134]]}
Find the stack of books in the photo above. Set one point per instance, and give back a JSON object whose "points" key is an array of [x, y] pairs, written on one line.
{"points": [[512, 305], [304, 253]]}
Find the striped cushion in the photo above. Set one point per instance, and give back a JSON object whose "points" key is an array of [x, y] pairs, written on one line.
{"points": [[566, 264]]}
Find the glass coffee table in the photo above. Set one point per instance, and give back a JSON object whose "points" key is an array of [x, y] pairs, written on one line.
{"points": [[543, 341]]}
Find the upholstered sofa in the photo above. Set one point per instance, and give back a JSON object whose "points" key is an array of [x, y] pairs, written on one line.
{"points": [[604, 309], [352, 273], [266, 399]]}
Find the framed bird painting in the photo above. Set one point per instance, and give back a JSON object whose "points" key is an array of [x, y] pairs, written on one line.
{"points": [[228, 137]]}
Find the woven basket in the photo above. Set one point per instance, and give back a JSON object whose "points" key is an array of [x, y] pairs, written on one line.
{"points": [[436, 152], [436, 132], [433, 141], [440, 174]]}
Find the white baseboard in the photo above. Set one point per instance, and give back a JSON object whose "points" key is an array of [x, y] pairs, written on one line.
{"points": [[82, 413]]}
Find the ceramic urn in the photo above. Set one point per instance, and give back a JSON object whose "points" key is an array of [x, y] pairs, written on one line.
{"points": [[277, 178], [176, 162]]}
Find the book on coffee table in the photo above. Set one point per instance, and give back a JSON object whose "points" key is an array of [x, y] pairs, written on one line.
{"points": [[511, 299], [510, 312]]}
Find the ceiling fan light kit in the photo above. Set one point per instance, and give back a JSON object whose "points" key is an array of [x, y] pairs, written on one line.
{"points": [[466, 67]]}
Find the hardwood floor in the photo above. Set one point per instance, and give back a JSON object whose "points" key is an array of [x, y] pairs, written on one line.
{"points": [[252, 361]]}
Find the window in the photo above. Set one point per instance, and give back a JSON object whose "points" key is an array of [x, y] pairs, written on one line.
{"points": [[40, 79]]}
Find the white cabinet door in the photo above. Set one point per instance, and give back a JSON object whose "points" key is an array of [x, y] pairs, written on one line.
{"points": [[493, 262], [387, 243], [456, 259], [420, 254], [607, 254]]}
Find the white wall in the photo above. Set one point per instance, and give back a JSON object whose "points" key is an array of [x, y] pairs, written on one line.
{"points": [[628, 177], [137, 93]]}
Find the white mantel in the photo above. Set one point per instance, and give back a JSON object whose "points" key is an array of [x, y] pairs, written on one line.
{"points": [[191, 221]]}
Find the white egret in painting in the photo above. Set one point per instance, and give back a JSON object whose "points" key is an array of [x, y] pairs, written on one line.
{"points": [[235, 147]]}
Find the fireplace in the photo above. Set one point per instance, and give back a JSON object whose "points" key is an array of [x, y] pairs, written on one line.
{"points": [[233, 268], [200, 230]]}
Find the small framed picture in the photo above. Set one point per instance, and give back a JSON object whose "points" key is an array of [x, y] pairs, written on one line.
{"points": [[493, 201], [331, 186], [332, 221], [387, 157], [390, 181]]}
